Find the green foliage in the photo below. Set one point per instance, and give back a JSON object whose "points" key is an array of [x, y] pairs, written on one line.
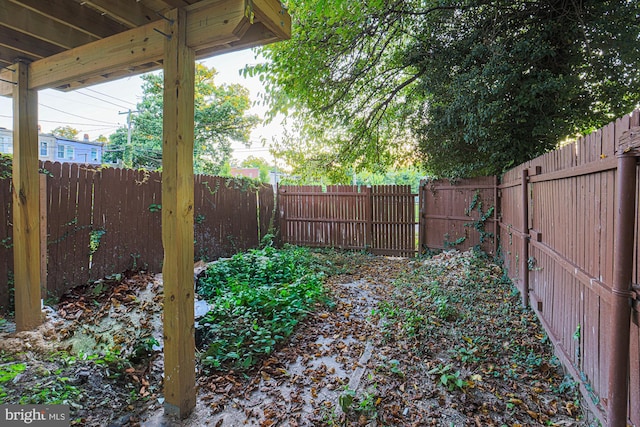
{"points": [[448, 378], [257, 300], [94, 239], [220, 118], [476, 86], [66, 132], [345, 400], [6, 166], [57, 390], [409, 175], [9, 371], [479, 224], [260, 163]]}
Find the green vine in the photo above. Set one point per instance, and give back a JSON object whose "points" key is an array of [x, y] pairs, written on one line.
{"points": [[243, 183], [448, 244], [479, 224], [208, 187]]}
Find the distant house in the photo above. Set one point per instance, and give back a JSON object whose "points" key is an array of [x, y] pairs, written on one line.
{"points": [[248, 172], [58, 149]]}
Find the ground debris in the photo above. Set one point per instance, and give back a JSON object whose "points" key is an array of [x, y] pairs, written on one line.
{"points": [[438, 341]]}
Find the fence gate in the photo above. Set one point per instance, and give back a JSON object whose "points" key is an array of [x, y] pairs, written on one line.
{"points": [[459, 214], [380, 219]]}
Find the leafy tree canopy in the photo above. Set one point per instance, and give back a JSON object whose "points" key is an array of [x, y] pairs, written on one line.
{"points": [[220, 118], [474, 86], [261, 164], [66, 132]]}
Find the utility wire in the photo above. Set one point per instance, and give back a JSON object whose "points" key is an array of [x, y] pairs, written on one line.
{"points": [[109, 96], [99, 99], [71, 123], [75, 115]]}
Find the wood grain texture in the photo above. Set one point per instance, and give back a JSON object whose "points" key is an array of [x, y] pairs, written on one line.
{"points": [[177, 219], [26, 203]]}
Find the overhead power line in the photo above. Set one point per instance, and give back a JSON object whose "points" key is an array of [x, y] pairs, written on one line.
{"points": [[72, 123], [81, 117], [110, 96], [101, 100]]}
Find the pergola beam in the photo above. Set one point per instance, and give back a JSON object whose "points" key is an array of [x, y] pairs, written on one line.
{"points": [[208, 24], [177, 218], [26, 202]]}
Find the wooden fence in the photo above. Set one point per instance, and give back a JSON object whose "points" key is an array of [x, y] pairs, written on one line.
{"points": [[101, 221], [557, 237], [459, 214], [380, 219]]}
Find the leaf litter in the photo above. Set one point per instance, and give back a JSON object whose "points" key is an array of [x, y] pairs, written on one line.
{"points": [[440, 341]]}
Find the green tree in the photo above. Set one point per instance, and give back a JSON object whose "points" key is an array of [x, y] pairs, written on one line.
{"points": [[220, 118], [475, 86], [66, 132], [261, 164]]}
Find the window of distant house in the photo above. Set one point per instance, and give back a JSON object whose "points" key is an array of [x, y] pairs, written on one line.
{"points": [[94, 154], [43, 148], [5, 145], [61, 151], [70, 152]]}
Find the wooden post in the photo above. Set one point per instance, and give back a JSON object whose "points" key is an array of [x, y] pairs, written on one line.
{"points": [[368, 238], [177, 218], [524, 256], [26, 202], [422, 217], [43, 235]]}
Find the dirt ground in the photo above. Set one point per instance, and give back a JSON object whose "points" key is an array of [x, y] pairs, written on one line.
{"points": [[441, 341]]}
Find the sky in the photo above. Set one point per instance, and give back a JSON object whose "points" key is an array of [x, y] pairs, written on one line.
{"points": [[101, 109]]}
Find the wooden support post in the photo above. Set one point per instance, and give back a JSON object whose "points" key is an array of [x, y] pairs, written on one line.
{"points": [[524, 256], [177, 218], [26, 202]]}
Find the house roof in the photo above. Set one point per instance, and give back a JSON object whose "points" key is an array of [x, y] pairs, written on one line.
{"points": [[77, 43]]}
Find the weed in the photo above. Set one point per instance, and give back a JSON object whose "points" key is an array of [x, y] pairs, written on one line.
{"points": [[257, 300], [394, 368], [449, 379], [445, 310], [345, 400], [466, 354], [56, 390], [10, 371]]}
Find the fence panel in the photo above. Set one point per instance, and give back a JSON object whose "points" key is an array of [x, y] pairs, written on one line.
{"points": [[460, 214], [335, 218], [227, 216], [393, 220], [571, 196], [102, 221], [380, 219]]}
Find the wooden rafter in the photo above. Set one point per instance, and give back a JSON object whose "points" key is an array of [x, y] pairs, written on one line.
{"points": [[41, 27], [213, 26], [130, 14], [75, 15]]}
